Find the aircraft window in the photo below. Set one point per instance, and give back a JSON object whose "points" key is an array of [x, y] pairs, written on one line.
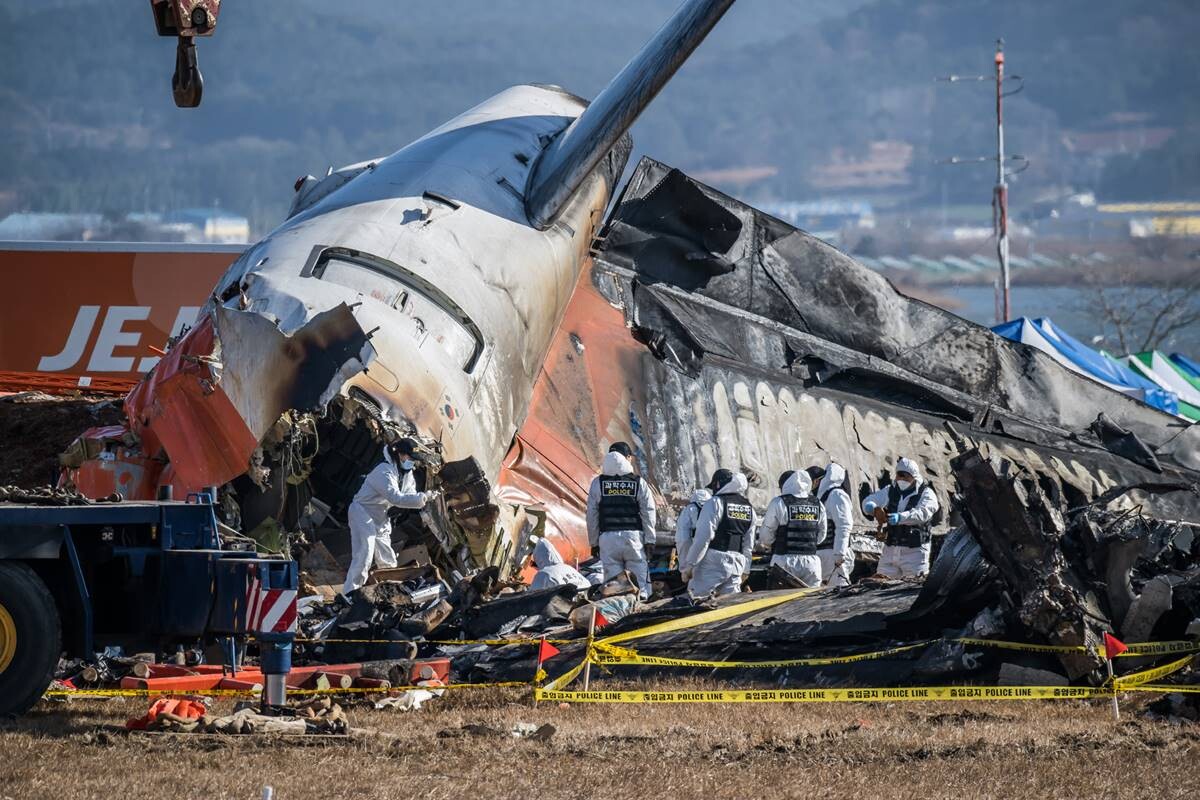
{"points": [[434, 320], [364, 280]]}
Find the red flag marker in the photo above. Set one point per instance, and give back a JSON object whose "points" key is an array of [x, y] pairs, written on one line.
{"points": [[546, 651], [1113, 646], [601, 620]]}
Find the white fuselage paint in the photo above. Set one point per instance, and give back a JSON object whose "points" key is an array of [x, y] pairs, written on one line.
{"points": [[510, 279]]}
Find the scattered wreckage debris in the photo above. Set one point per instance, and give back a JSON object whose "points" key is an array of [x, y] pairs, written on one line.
{"points": [[1071, 574], [413, 699], [318, 715], [1025, 566], [519, 730]]}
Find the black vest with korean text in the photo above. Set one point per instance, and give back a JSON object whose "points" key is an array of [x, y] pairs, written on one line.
{"points": [[737, 519], [801, 528], [619, 507]]}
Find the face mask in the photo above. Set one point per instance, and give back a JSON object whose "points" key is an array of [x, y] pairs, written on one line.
{"points": [[407, 464], [904, 485]]}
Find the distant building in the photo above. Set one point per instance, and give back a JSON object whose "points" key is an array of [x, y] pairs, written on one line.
{"points": [[189, 225], [48, 226], [1119, 141], [213, 224], [884, 165], [825, 219]]}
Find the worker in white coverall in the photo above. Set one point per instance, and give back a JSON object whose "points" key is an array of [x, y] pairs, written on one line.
{"points": [[793, 527], [621, 517], [390, 484], [906, 508], [685, 526], [836, 554], [719, 558], [552, 570]]}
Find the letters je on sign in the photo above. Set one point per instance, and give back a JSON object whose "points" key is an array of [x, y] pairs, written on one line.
{"points": [[112, 336]]}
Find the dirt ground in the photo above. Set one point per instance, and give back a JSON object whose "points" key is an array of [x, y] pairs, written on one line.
{"points": [[927, 750], [35, 428]]}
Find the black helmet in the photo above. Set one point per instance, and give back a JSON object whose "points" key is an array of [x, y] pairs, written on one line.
{"points": [[719, 479], [403, 447], [783, 478], [622, 448]]}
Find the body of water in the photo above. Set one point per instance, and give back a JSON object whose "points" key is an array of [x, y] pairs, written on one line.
{"points": [[1072, 309]]}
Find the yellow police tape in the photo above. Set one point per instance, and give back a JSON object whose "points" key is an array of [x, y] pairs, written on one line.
{"points": [[1166, 688], [1138, 681], [564, 679], [717, 615], [898, 693], [605, 653], [1153, 674], [491, 642], [86, 693], [1166, 648], [1171, 647]]}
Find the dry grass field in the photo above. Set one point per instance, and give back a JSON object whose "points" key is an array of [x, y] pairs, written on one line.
{"points": [[926, 750]]}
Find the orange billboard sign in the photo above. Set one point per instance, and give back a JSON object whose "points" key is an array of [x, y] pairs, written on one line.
{"points": [[101, 311]]}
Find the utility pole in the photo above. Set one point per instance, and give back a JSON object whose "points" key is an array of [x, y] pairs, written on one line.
{"points": [[1000, 192], [1000, 201]]}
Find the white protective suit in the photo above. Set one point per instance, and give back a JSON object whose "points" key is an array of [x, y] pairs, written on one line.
{"points": [[806, 568], [552, 570], [685, 527], [837, 562], [370, 529], [622, 550], [715, 570], [916, 508]]}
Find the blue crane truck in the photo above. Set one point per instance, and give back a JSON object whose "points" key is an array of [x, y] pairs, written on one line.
{"points": [[144, 576]]}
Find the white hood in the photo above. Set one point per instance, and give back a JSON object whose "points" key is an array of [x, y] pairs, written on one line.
{"points": [[616, 464], [700, 496], [835, 476], [738, 485], [799, 484], [545, 554], [909, 466]]}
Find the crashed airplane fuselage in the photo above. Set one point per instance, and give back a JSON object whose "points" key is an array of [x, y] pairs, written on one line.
{"points": [[412, 295]]}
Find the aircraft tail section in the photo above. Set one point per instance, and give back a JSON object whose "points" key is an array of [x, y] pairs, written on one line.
{"points": [[571, 157]]}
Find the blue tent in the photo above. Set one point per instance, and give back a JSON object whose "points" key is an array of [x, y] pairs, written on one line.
{"points": [[1186, 364], [1073, 354]]}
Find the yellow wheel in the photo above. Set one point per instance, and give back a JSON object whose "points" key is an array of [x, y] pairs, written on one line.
{"points": [[8, 638], [30, 637]]}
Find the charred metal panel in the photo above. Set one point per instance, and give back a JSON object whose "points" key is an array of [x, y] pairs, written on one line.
{"points": [[1020, 530], [669, 229], [1067, 569], [772, 398], [694, 383]]}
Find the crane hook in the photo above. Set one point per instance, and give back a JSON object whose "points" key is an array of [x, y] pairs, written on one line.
{"points": [[187, 84]]}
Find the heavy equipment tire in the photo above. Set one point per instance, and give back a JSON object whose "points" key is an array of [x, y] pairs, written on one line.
{"points": [[30, 637]]}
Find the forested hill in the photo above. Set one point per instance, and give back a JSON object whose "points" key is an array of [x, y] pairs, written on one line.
{"points": [[784, 87]]}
